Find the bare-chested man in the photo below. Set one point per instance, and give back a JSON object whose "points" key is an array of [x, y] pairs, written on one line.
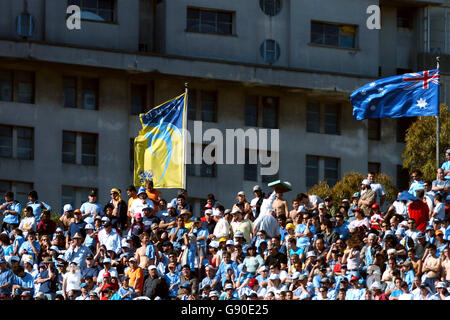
{"points": [[146, 254], [293, 213]]}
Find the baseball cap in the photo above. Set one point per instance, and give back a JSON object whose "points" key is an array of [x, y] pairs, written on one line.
{"points": [[353, 278], [147, 207], [252, 282], [213, 294], [302, 277], [257, 188], [356, 195], [216, 213], [321, 205], [208, 212], [84, 284], [438, 232], [138, 215], [89, 226], [420, 234], [230, 242], [376, 285], [375, 206], [290, 226], [228, 286], [59, 229], [366, 182], [295, 275], [186, 285], [214, 244], [310, 254], [54, 248], [15, 258], [239, 234], [141, 190], [107, 260], [227, 211], [345, 200], [429, 228], [151, 267], [106, 219], [241, 193], [68, 207], [441, 285], [274, 276], [447, 151]]}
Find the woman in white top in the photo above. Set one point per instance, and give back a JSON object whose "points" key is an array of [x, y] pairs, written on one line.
{"points": [[29, 222], [72, 279]]}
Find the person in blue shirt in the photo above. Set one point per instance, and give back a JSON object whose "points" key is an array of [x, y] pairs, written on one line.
{"points": [[397, 291], [211, 278], [48, 279], [23, 281], [77, 226], [176, 234], [226, 262], [341, 227], [11, 212], [446, 165], [31, 246], [126, 292], [37, 205], [303, 232], [408, 273], [173, 280], [202, 235], [6, 278], [6, 249], [417, 183], [18, 240], [91, 207]]}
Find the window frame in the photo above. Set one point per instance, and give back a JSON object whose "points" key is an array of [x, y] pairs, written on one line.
{"points": [[321, 169], [14, 146], [98, 9], [323, 43], [322, 105], [15, 82], [216, 12]]}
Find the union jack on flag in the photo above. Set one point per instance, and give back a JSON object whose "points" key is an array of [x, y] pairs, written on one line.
{"points": [[423, 78]]}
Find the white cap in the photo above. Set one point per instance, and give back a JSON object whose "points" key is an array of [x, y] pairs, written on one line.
{"points": [[216, 213], [366, 182], [213, 293], [170, 205], [274, 276], [125, 245], [301, 209], [68, 207], [231, 242], [55, 248], [152, 267], [214, 244], [106, 219], [241, 193], [376, 285], [228, 286], [89, 226], [310, 254], [208, 211]]}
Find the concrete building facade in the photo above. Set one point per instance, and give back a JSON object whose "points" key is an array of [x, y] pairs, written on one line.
{"points": [[69, 98]]}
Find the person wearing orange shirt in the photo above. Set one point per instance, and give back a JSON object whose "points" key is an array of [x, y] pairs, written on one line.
{"points": [[136, 275], [153, 194]]}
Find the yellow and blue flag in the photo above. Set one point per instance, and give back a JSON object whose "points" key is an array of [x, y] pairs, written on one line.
{"points": [[159, 147], [408, 95]]}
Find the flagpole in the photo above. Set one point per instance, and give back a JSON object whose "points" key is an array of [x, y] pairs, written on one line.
{"points": [[186, 90], [438, 125]]}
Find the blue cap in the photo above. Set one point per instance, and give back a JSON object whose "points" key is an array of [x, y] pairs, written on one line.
{"points": [[405, 195], [356, 195], [141, 190], [2, 260], [83, 285], [186, 285]]}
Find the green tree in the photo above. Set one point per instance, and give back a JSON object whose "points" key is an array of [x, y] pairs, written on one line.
{"points": [[351, 183], [420, 151]]}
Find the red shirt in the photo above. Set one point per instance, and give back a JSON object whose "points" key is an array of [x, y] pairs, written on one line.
{"points": [[419, 212]]}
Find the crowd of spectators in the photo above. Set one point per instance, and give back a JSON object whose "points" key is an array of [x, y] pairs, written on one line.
{"points": [[145, 247]]}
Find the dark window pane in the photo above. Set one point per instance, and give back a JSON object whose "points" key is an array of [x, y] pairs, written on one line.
{"points": [[331, 35], [251, 111], [138, 98], [106, 4], [374, 167], [192, 103], [402, 127], [331, 171], [25, 143], [209, 106], [193, 13], [6, 85], [402, 178], [90, 93], [209, 21], [25, 86], [374, 129], [270, 7], [270, 112], [89, 149], [70, 92], [5, 141], [313, 117], [312, 171], [69, 147], [331, 118]]}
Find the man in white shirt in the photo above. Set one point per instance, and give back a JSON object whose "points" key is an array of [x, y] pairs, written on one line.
{"points": [[110, 238], [222, 228], [378, 188], [142, 201]]}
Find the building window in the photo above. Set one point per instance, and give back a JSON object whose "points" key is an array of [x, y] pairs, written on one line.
{"points": [[374, 129], [89, 149], [374, 167], [335, 35], [209, 21], [69, 147], [203, 169], [322, 169], [402, 178], [90, 93], [20, 190], [269, 178], [405, 17], [17, 86], [96, 10], [207, 100], [251, 111], [16, 142], [261, 111], [250, 170], [323, 117], [270, 51], [70, 92], [79, 148], [138, 99], [403, 126], [75, 196], [209, 106], [270, 7]]}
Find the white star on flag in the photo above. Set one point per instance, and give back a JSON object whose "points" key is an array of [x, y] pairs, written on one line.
{"points": [[422, 103], [380, 90], [372, 84]]}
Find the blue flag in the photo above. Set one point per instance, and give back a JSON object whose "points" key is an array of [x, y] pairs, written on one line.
{"points": [[408, 95]]}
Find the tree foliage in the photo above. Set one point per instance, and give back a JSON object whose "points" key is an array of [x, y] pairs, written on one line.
{"points": [[420, 151], [351, 183]]}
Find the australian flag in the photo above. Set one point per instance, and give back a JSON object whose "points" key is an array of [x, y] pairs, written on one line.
{"points": [[408, 95]]}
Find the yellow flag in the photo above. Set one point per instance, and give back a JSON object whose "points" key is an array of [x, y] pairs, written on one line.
{"points": [[159, 147]]}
